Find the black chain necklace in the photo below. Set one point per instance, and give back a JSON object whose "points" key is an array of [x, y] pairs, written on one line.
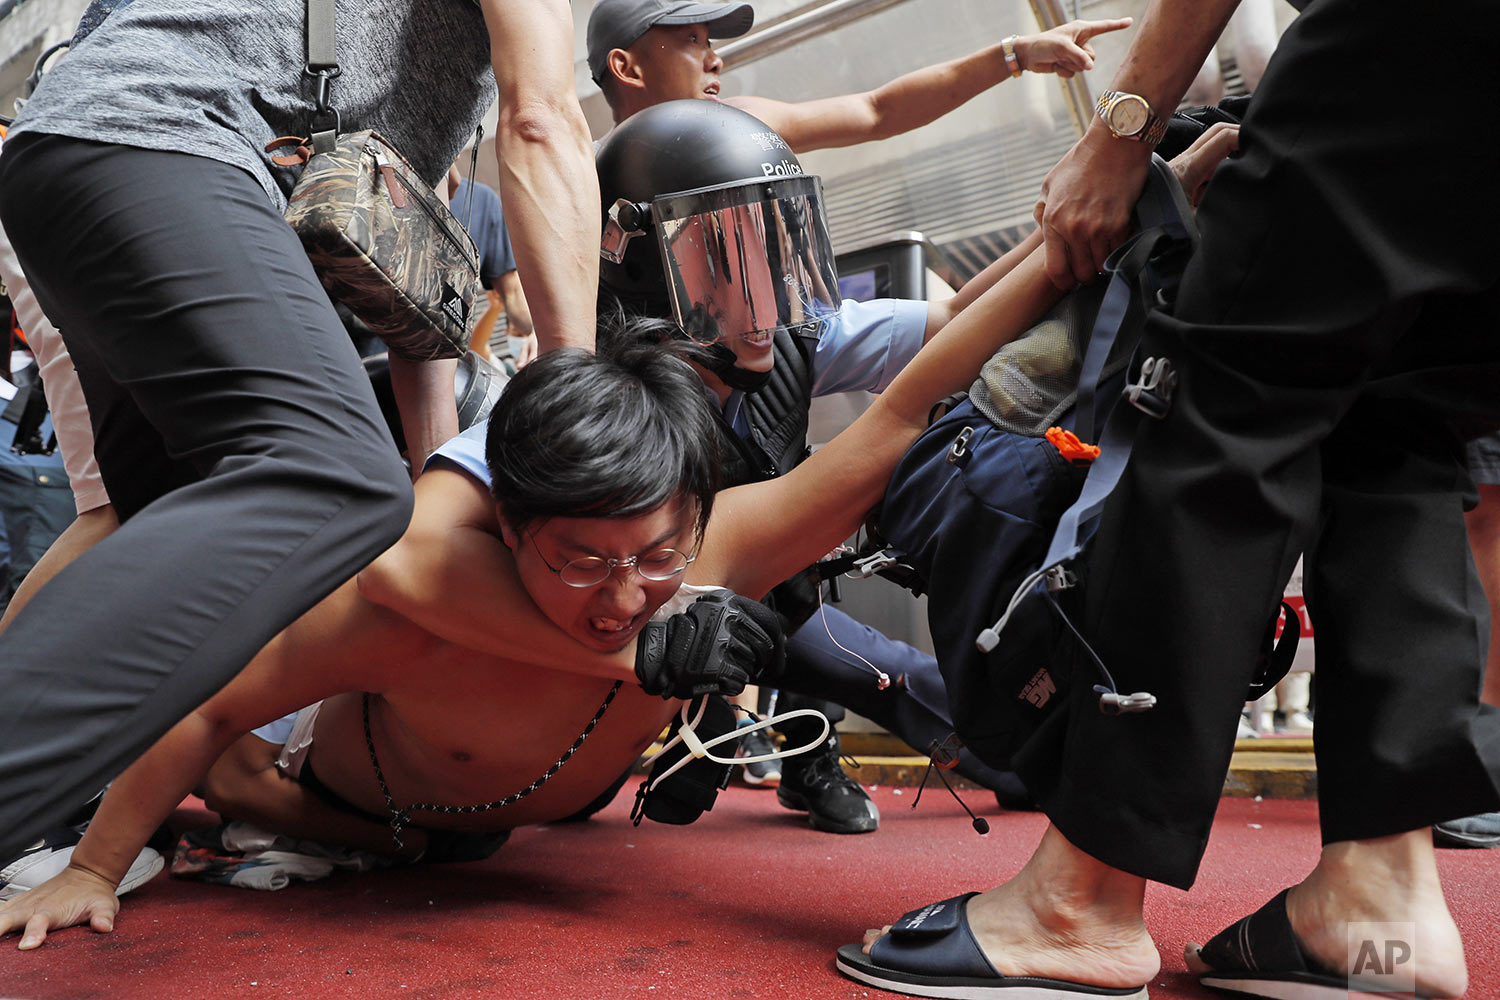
{"points": [[400, 817]]}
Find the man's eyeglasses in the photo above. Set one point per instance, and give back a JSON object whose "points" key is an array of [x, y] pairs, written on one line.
{"points": [[589, 571]]}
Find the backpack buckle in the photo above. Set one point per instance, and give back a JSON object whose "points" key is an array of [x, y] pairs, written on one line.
{"points": [[868, 566], [958, 452], [1114, 703], [1152, 395], [1058, 578]]}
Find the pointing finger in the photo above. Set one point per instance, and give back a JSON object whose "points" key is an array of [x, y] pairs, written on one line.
{"points": [[1089, 29]]}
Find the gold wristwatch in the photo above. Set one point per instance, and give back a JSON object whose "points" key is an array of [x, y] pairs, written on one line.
{"points": [[1129, 116]]}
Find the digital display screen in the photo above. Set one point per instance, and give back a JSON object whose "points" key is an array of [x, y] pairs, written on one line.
{"points": [[864, 285]]}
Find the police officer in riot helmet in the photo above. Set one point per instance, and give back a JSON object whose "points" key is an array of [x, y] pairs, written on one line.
{"points": [[710, 220]]}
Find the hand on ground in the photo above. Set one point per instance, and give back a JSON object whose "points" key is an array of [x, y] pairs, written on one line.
{"points": [[73, 896]]}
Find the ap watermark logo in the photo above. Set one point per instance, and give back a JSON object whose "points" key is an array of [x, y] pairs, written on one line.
{"points": [[1383, 957]]}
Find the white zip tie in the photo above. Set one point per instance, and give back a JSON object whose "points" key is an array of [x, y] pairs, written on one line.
{"points": [[687, 734]]}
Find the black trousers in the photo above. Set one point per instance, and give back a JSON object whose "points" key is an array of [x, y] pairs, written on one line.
{"points": [[1335, 337], [237, 435]]}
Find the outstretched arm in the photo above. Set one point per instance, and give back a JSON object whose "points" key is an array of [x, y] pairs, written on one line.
{"points": [[762, 533], [547, 177], [342, 644], [941, 312], [927, 94]]}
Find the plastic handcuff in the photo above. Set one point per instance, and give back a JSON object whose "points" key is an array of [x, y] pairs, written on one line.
{"points": [[697, 748]]}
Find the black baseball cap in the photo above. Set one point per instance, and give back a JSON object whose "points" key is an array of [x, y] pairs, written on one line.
{"points": [[616, 24]]}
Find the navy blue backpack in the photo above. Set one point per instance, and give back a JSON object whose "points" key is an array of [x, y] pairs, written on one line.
{"points": [[992, 508]]}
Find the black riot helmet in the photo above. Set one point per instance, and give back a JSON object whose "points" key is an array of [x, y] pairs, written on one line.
{"points": [[709, 220]]}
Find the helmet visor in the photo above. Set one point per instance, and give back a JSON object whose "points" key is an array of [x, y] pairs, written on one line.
{"points": [[747, 258]]}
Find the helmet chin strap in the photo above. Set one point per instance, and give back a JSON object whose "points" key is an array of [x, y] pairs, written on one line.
{"points": [[722, 362]]}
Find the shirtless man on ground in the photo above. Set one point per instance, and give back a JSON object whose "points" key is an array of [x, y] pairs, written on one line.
{"points": [[454, 741]]}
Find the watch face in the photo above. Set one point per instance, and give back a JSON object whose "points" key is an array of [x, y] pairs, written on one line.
{"points": [[1128, 115]]}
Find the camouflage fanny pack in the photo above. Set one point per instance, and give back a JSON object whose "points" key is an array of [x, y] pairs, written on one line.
{"points": [[383, 244], [381, 240]]}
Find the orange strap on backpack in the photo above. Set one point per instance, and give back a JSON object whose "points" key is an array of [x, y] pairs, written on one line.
{"points": [[1070, 447]]}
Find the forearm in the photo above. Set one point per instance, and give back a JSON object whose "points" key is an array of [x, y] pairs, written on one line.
{"points": [[551, 197], [905, 103], [517, 312], [144, 796], [1171, 43], [424, 398], [940, 314], [952, 360], [925, 95], [547, 180]]}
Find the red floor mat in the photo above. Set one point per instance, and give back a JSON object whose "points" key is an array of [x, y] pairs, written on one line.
{"points": [[748, 902]]}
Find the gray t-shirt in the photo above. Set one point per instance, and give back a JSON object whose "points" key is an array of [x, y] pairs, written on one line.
{"points": [[221, 78]]}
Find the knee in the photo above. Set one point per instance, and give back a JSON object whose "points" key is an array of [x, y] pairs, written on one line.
{"points": [[226, 790], [384, 498]]}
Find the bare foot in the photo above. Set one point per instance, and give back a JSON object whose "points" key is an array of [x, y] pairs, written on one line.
{"points": [[1064, 916], [1391, 880]]}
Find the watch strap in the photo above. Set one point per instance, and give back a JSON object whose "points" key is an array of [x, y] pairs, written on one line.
{"points": [[1008, 48]]}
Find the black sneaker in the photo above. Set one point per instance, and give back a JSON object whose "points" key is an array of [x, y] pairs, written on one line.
{"points": [[815, 782]]}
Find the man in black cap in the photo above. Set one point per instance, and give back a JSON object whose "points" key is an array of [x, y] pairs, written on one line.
{"points": [[643, 52]]}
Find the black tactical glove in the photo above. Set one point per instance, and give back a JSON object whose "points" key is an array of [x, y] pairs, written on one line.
{"points": [[717, 645]]}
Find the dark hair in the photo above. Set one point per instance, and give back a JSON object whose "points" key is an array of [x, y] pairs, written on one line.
{"points": [[639, 320], [614, 434]]}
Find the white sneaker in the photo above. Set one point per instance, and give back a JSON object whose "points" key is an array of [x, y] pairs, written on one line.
{"points": [[1298, 722], [50, 855]]}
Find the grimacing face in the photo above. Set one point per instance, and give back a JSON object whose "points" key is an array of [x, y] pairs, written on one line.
{"points": [[608, 615]]}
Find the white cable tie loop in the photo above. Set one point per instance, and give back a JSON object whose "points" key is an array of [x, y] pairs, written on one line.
{"points": [[687, 735], [796, 713]]}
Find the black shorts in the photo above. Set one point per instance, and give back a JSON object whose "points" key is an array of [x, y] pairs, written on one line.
{"points": [[443, 846]]}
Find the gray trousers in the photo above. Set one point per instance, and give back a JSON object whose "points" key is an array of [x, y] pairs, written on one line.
{"points": [[237, 435]]}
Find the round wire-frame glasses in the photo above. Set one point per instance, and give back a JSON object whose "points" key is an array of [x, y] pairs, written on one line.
{"points": [[590, 571]]}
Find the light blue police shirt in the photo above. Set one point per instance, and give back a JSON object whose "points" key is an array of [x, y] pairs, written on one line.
{"points": [[864, 347]]}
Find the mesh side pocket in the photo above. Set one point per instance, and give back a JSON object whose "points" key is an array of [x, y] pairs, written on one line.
{"points": [[1030, 382]]}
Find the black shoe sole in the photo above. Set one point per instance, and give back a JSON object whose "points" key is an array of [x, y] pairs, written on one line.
{"points": [[1448, 838]]}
